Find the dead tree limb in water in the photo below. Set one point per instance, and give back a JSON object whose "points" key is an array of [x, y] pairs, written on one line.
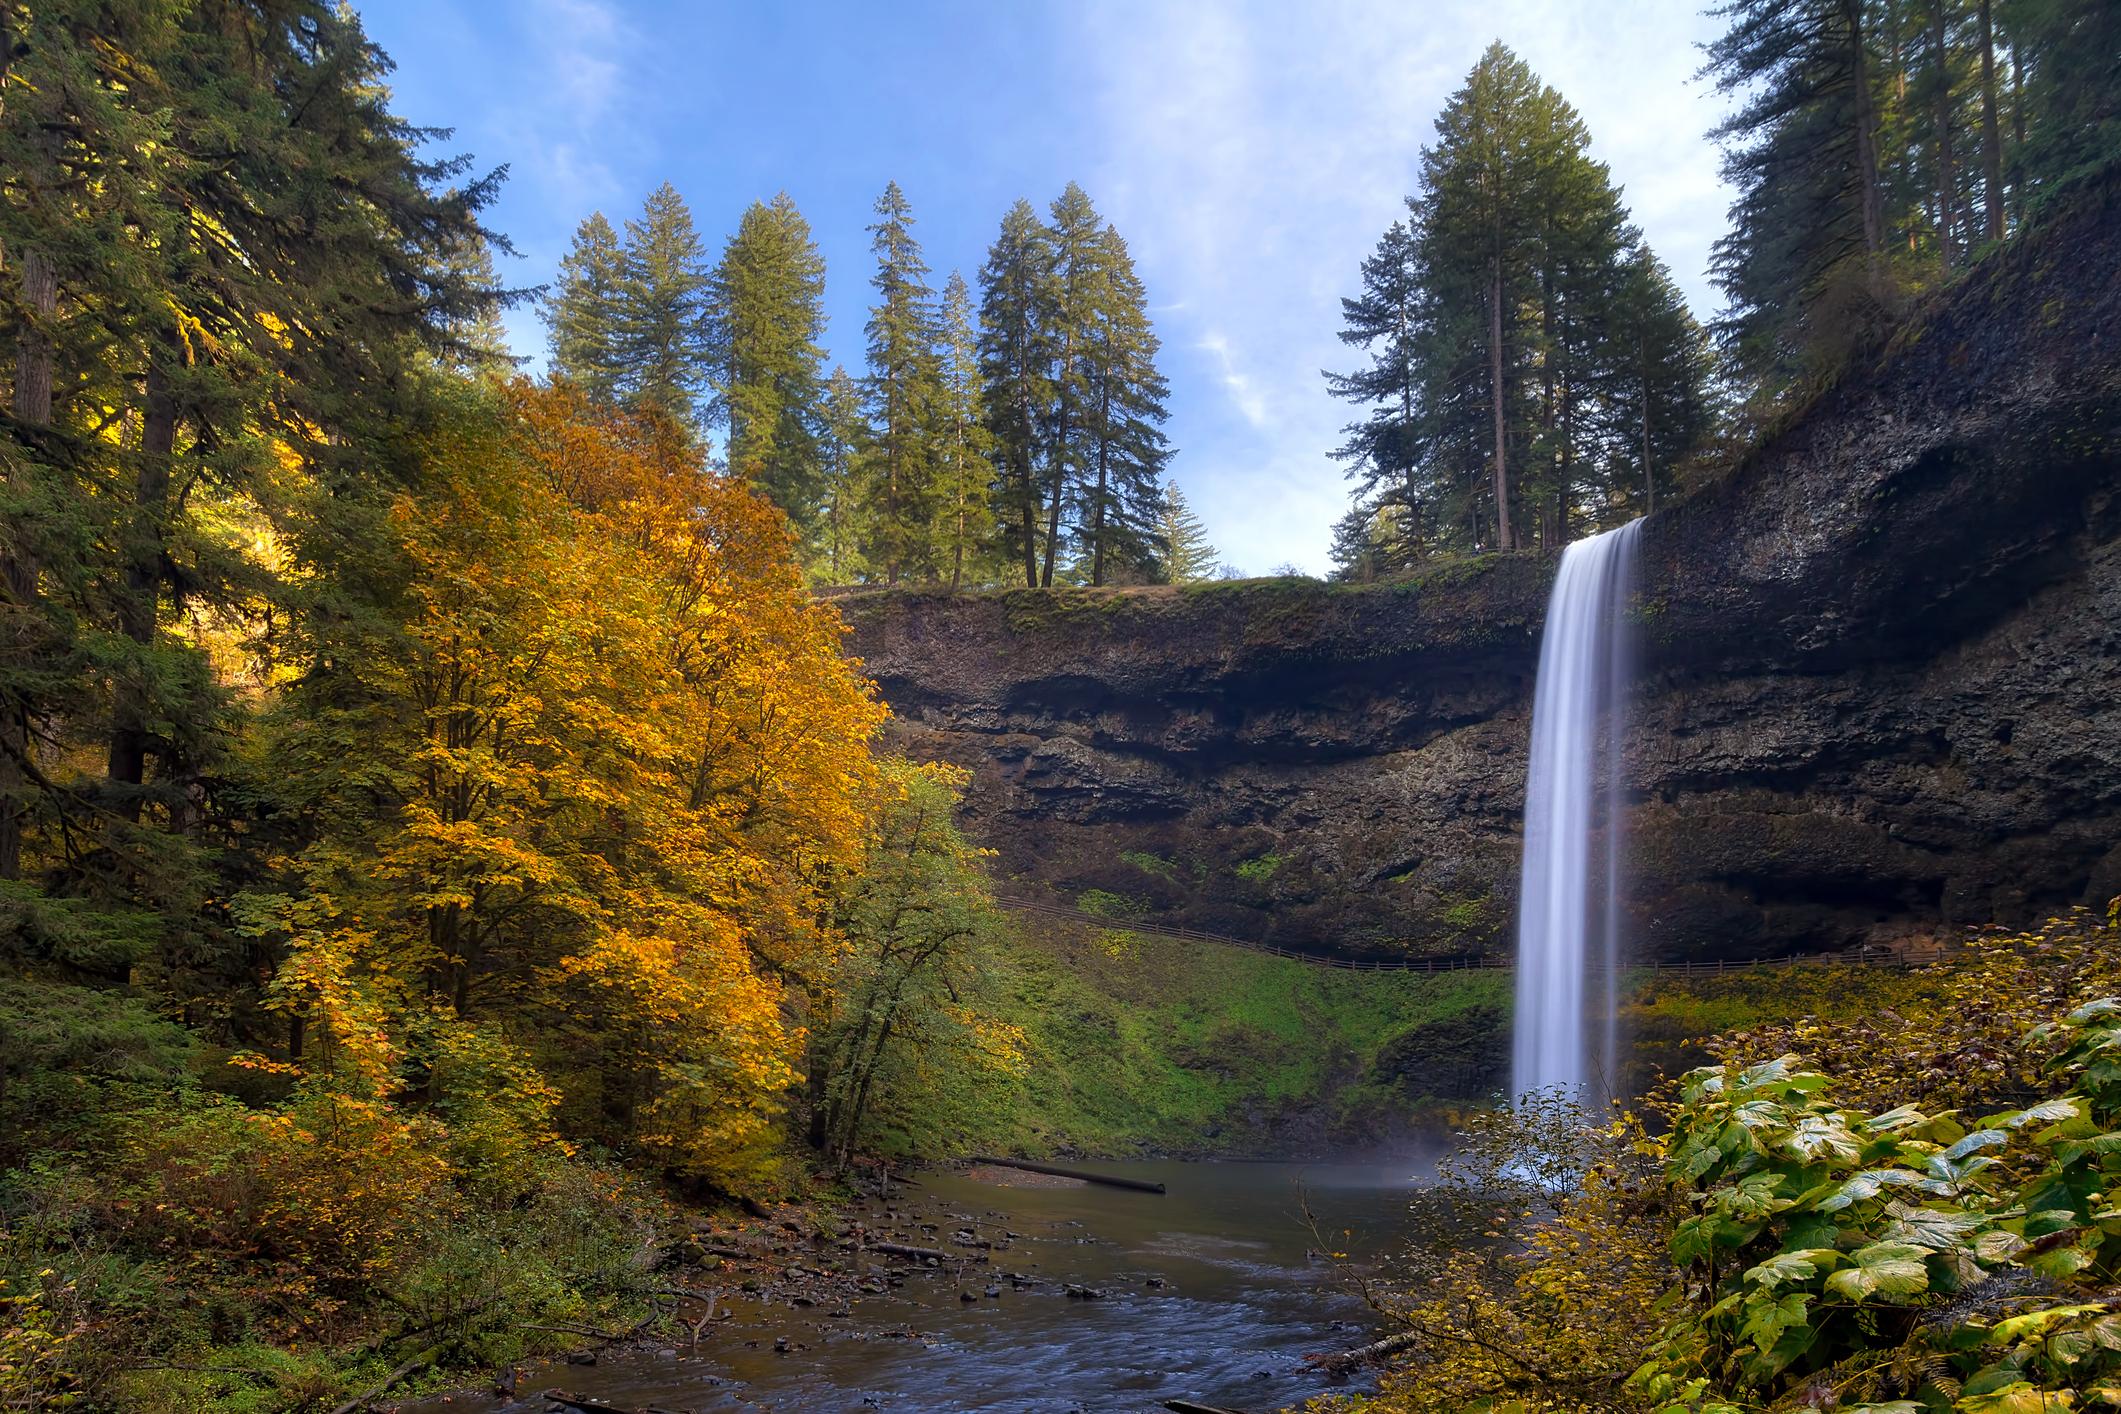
{"points": [[1139, 1185], [900, 1249], [1348, 1361]]}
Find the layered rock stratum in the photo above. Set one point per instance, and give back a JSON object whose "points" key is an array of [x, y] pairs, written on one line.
{"points": [[1880, 686]]}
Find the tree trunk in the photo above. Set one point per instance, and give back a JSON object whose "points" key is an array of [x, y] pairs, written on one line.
{"points": [[1871, 198], [1991, 136], [1649, 475], [891, 460], [2018, 128], [957, 543], [1104, 453], [1941, 120], [1028, 470], [1502, 472], [1060, 485], [143, 582], [18, 574]]}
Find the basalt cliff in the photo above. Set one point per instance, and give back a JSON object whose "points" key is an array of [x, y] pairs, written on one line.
{"points": [[1880, 688]]}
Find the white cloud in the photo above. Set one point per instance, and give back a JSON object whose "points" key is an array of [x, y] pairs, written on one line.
{"points": [[1252, 153], [568, 104]]}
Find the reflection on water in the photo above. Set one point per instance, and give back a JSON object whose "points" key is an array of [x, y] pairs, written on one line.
{"points": [[1210, 1292]]}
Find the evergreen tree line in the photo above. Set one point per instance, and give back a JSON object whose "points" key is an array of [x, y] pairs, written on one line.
{"points": [[435, 811], [1881, 145], [1016, 433], [1533, 371]]}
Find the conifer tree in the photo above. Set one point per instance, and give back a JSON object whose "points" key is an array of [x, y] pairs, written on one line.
{"points": [[252, 282], [843, 461], [902, 389], [1504, 372], [660, 332], [964, 475], [1804, 265], [1077, 295], [584, 312], [1386, 450], [1188, 557], [765, 317], [1122, 496], [1658, 409], [1016, 321]]}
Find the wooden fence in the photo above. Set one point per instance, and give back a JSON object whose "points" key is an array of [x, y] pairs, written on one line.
{"points": [[1854, 957]]}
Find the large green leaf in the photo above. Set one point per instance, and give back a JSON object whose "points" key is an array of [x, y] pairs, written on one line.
{"points": [[1884, 1271], [1786, 1267], [1867, 1185], [1938, 1229]]}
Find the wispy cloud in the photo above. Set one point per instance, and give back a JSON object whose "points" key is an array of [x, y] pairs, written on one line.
{"points": [[568, 99], [1243, 394], [1253, 152]]}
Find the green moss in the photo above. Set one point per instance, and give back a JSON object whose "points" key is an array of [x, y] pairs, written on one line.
{"points": [[1133, 1043], [1149, 863], [1477, 918], [1103, 903], [1260, 869]]}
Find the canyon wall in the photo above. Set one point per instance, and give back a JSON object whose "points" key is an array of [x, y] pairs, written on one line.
{"points": [[1880, 691]]}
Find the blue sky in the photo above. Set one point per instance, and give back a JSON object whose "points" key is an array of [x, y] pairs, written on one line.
{"points": [[1250, 153]]}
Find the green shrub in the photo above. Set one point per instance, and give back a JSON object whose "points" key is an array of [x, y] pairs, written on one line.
{"points": [[1149, 863], [1103, 903]]}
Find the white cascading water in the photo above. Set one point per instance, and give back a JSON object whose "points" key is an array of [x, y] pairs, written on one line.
{"points": [[1568, 925]]}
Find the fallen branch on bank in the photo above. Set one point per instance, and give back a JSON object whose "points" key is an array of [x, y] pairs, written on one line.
{"points": [[1348, 1361], [417, 1363], [918, 1254], [1139, 1185], [1187, 1406]]}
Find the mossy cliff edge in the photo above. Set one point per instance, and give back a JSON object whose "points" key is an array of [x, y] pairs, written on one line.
{"points": [[1881, 692]]}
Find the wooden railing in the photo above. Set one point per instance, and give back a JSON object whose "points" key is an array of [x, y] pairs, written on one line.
{"points": [[1472, 962]]}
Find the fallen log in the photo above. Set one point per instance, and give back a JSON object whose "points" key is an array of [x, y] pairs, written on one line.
{"points": [[1187, 1406], [900, 1249], [1348, 1361], [586, 1406], [418, 1362], [1139, 1185]]}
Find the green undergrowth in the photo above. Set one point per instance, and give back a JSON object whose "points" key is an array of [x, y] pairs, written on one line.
{"points": [[170, 1229], [1670, 1017], [1133, 1044]]}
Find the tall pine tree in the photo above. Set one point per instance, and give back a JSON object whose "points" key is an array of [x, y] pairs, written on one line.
{"points": [[1016, 298], [1121, 498], [1188, 557], [902, 390], [1502, 363], [583, 314], [965, 519], [661, 343], [765, 316], [1076, 296]]}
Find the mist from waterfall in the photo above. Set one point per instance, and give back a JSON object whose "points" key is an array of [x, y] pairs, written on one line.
{"points": [[1568, 928]]}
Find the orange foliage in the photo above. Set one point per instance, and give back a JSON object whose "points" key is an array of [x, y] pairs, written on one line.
{"points": [[612, 757]]}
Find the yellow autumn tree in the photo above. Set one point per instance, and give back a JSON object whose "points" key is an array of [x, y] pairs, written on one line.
{"points": [[579, 791]]}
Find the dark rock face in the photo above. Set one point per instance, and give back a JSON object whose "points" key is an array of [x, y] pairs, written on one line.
{"points": [[1881, 682]]}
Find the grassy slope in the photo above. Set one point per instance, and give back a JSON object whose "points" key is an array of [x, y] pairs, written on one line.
{"points": [[1140, 1044]]}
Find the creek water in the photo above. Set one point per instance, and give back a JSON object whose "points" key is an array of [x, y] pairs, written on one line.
{"points": [[1211, 1291]]}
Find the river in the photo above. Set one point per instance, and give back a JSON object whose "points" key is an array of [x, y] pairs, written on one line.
{"points": [[1211, 1291]]}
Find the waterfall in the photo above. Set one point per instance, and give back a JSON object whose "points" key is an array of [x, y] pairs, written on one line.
{"points": [[1568, 926]]}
